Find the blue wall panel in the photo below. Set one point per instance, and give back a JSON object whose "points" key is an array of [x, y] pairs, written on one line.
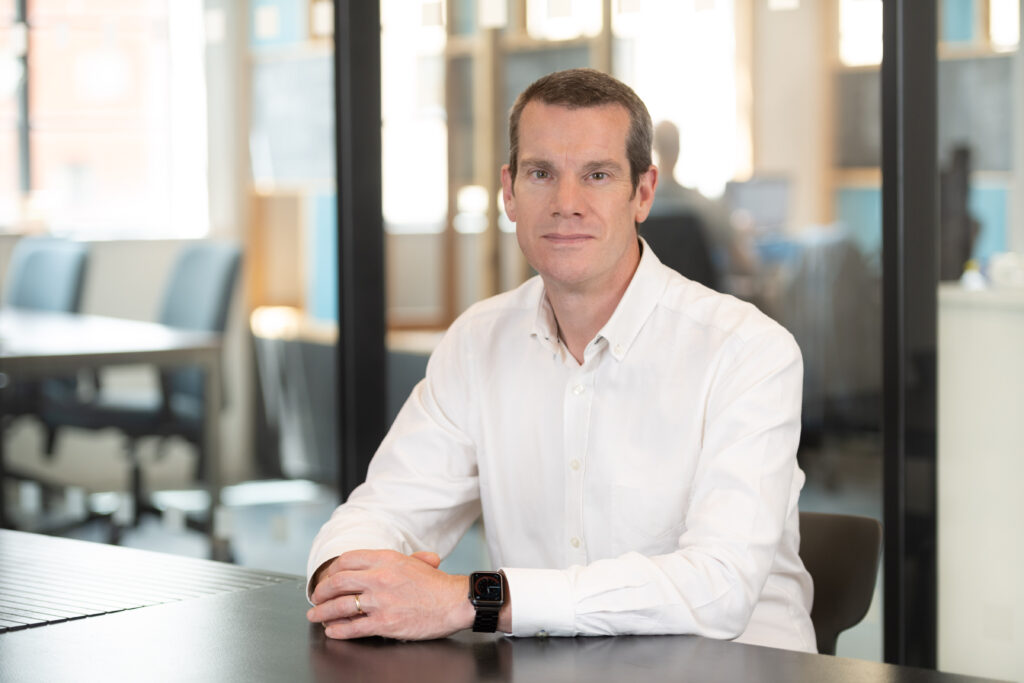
{"points": [[322, 258], [292, 20], [957, 21], [859, 211], [988, 204]]}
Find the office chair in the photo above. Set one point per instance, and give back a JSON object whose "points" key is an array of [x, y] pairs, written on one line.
{"points": [[44, 274], [681, 243], [197, 297], [841, 554]]}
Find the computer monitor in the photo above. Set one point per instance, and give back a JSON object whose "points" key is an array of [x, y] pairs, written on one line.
{"points": [[765, 199]]}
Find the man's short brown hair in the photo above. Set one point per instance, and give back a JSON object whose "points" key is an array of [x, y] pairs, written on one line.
{"points": [[578, 88]]}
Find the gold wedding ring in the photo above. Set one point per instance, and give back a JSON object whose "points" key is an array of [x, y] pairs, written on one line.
{"points": [[359, 609]]}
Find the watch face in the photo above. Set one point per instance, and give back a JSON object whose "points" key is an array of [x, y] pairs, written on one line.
{"points": [[487, 586]]}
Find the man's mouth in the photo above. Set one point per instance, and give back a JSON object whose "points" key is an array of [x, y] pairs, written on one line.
{"points": [[572, 238]]}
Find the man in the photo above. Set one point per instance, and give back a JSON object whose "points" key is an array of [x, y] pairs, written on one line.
{"points": [[628, 435]]}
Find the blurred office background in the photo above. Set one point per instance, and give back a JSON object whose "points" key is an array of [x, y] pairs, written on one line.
{"points": [[139, 126]]}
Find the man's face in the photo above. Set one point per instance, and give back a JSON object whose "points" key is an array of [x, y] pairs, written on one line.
{"points": [[573, 201]]}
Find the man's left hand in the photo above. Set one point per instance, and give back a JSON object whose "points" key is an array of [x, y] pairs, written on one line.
{"points": [[385, 593]]}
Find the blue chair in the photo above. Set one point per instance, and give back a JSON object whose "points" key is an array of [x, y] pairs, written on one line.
{"points": [[197, 297], [44, 274]]}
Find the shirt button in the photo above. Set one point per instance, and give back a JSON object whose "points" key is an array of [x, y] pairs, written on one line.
{"points": [[575, 542], [618, 349], [575, 464], [578, 389]]}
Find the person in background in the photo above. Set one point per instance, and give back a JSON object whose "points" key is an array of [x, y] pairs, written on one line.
{"points": [[628, 435], [728, 237]]}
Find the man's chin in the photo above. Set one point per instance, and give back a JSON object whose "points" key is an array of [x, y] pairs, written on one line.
{"points": [[563, 276]]}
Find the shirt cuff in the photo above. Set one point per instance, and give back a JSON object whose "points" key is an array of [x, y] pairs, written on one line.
{"points": [[542, 602]]}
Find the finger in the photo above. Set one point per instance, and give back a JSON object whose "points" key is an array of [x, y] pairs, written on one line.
{"points": [[323, 571], [431, 558], [345, 607], [339, 584], [352, 628], [363, 559], [337, 621]]}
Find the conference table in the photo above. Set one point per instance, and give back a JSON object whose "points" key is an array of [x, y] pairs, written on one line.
{"points": [[73, 610], [39, 344]]}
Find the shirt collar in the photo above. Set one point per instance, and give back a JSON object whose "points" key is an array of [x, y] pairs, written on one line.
{"points": [[637, 303], [544, 326]]}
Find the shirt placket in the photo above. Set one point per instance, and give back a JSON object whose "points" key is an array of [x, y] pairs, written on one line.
{"points": [[579, 399]]}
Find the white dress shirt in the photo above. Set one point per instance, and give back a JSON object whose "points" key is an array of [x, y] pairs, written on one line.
{"points": [[651, 489]]}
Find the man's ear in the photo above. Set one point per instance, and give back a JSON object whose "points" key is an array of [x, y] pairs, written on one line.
{"points": [[645, 188], [508, 193]]}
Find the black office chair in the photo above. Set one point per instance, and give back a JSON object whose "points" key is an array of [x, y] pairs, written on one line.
{"points": [[43, 274], [197, 297], [681, 243], [841, 553]]}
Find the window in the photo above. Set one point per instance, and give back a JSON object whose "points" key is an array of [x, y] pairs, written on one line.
{"points": [[1004, 24], [860, 32], [414, 135], [672, 53], [12, 50], [116, 134], [563, 19], [860, 27]]}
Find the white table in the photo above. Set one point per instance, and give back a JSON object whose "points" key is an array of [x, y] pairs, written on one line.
{"points": [[37, 344]]}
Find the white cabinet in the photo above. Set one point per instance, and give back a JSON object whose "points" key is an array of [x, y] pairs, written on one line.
{"points": [[981, 482]]}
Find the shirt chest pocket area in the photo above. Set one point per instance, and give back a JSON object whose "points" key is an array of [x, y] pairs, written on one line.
{"points": [[648, 518]]}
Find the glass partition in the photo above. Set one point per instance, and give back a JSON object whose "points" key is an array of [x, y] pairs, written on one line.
{"points": [[980, 339], [769, 121]]}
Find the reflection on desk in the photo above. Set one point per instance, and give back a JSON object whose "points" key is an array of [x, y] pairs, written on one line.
{"points": [[474, 657]]}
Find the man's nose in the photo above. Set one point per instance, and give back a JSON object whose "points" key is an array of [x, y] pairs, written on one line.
{"points": [[568, 199]]}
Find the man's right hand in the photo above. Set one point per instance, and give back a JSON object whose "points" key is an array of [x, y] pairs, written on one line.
{"points": [[433, 559]]}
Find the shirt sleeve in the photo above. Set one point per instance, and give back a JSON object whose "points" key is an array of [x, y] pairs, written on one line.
{"points": [[421, 491], [745, 488]]}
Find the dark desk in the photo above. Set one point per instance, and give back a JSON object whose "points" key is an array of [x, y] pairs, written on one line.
{"points": [[253, 628], [34, 343]]}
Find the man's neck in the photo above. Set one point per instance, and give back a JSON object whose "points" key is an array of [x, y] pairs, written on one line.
{"points": [[580, 313]]}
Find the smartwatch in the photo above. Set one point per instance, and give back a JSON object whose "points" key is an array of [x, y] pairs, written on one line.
{"points": [[487, 594]]}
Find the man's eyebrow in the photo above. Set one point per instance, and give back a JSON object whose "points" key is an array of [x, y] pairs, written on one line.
{"points": [[589, 167], [602, 165], [536, 163]]}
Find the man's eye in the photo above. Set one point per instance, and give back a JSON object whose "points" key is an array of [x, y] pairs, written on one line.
{"points": [[599, 175], [537, 173]]}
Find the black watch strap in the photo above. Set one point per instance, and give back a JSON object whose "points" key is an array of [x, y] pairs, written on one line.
{"points": [[486, 620]]}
